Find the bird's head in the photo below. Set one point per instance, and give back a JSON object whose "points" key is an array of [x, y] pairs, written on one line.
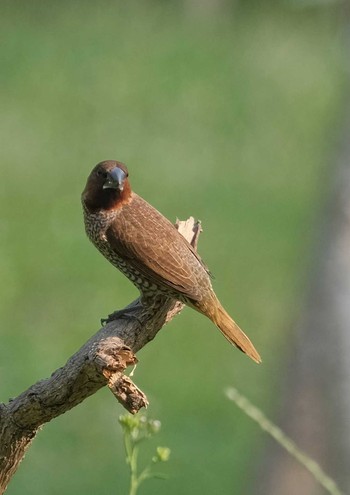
{"points": [[107, 186]]}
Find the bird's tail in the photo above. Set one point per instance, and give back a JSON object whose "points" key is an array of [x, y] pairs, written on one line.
{"points": [[231, 331]]}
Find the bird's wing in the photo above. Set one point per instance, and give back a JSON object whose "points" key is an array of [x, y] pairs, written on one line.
{"points": [[152, 245]]}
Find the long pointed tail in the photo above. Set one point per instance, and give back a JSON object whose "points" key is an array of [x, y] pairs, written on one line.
{"points": [[231, 331]]}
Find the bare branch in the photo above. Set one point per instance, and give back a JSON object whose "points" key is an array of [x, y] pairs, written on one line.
{"points": [[100, 362]]}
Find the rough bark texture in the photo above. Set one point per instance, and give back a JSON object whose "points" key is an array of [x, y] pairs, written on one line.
{"points": [[99, 362]]}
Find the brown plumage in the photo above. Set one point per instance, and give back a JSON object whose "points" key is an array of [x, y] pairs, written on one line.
{"points": [[149, 250]]}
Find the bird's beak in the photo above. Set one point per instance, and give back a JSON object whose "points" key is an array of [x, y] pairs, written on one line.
{"points": [[115, 179]]}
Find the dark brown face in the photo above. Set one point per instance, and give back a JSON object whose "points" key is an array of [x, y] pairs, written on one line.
{"points": [[107, 185]]}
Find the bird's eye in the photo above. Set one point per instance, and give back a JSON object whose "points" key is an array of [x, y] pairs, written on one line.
{"points": [[102, 173]]}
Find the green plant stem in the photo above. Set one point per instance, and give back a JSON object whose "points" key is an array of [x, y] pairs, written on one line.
{"points": [[134, 481], [131, 459], [146, 474], [265, 424]]}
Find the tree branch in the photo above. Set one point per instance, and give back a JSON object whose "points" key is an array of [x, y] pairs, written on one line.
{"points": [[100, 362]]}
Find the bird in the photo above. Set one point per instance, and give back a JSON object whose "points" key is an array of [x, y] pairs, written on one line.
{"points": [[148, 249]]}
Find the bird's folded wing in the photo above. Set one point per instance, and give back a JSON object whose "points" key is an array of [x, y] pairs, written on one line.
{"points": [[153, 246]]}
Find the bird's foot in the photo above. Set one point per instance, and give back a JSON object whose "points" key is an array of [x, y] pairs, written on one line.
{"points": [[126, 313]]}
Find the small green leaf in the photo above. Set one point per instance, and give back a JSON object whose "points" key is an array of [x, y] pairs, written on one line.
{"points": [[162, 454]]}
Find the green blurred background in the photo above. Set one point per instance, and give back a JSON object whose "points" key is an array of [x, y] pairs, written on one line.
{"points": [[223, 111]]}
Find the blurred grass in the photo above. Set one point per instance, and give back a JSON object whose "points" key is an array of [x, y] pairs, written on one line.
{"points": [[230, 119]]}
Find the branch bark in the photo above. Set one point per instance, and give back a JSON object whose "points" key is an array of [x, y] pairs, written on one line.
{"points": [[101, 361]]}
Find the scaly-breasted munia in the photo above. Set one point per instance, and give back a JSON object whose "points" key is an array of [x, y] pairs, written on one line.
{"points": [[148, 249]]}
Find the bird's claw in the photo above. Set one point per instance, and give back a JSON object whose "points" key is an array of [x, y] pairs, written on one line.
{"points": [[104, 321], [120, 314], [113, 316]]}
